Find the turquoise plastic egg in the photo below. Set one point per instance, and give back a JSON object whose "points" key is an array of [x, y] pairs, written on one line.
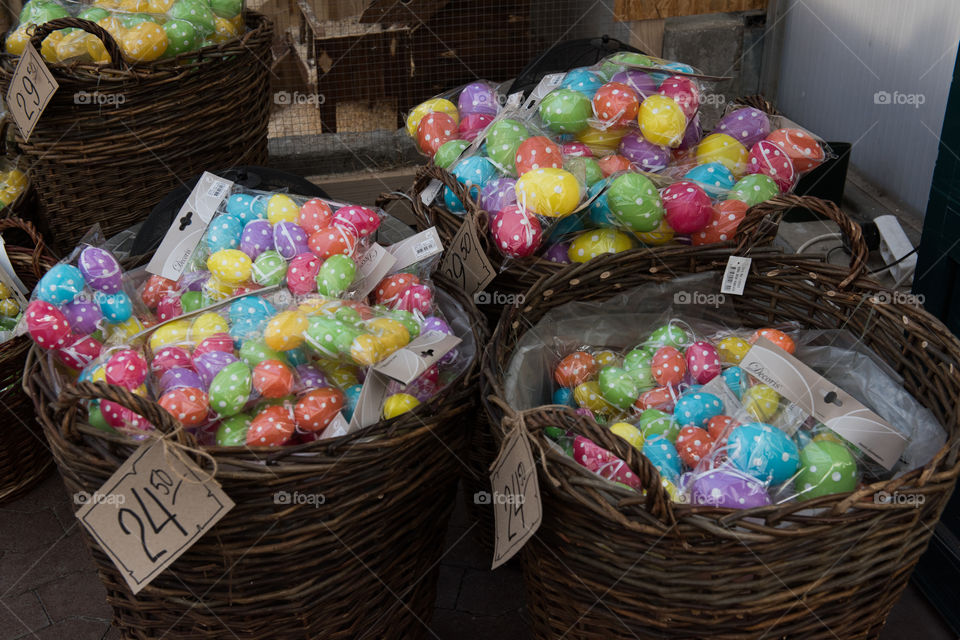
{"points": [[733, 376], [473, 173], [251, 309], [696, 409], [230, 389], [765, 452], [564, 396], [61, 284], [663, 455], [115, 307], [599, 209], [224, 233], [247, 207], [351, 396], [583, 80], [566, 226], [715, 178]]}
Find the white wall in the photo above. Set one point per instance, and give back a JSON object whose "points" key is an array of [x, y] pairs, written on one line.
{"points": [[837, 54]]}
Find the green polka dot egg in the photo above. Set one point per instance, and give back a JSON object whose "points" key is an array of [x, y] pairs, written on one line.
{"points": [[336, 274], [230, 389], [826, 467]]}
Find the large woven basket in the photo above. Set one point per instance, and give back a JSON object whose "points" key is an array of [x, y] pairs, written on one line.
{"points": [[24, 454], [607, 562], [364, 563], [166, 122]]}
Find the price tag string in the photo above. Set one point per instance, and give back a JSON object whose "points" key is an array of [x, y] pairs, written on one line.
{"points": [[182, 453], [516, 421]]}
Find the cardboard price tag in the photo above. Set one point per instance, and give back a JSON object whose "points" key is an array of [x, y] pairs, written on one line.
{"points": [[465, 262], [516, 497], [154, 508], [30, 90], [407, 364]]}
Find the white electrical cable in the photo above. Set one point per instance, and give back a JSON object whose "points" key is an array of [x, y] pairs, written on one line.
{"points": [[809, 243]]}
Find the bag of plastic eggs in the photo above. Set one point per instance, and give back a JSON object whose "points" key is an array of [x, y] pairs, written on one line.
{"points": [[445, 125], [145, 30]]}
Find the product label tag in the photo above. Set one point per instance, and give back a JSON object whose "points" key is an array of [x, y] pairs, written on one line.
{"points": [[407, 364], [370, 401], [373, 267], [547, 84], [735, 275], [826, 402], [415, 248], [517, 508], [430, 193], [30, 90], [337, 427]]}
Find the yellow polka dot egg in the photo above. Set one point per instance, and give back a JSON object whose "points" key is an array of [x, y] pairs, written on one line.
{"points": [[230, 266]]}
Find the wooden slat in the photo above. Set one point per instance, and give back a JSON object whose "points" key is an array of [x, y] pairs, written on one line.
{"points": [[630, 10]]}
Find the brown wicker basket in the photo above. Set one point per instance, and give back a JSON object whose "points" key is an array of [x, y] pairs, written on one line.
{"points": [[607, 562], [25, 205], [110, 164], [24, 454], [362, 564]]}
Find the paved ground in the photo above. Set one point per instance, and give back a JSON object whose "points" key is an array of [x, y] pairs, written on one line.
{"points": [[49, 590]]}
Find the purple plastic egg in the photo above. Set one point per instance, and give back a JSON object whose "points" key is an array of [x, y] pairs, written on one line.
{"points": [[747, 126], [640, 81], [478, 97], [692, 134], [210, 363], [290, 239], [194, 280], [728, 488], [309, 377], [84, 317], [433, 323], [498, 194], [643, 153], [100, 269], [180, 377], [557, 253], [257, 237]]}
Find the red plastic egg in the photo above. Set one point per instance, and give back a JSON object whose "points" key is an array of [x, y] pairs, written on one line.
{"points": [[362, 221], [156, 289], [538, 152], [126, 368], [332, 241], [46, 324], [663, 398], [471, 124], [434, 130], [575, 369], [316, 409], [119, 417], [687, 207], [391, 287], [170, 358], [613, 163], [770, 160], [302, 274], [315, 214], [724, 221], [216, 342], [777, 337], [684, 92], [668, 366], [78, 351], [190, 406], [417, 297], [516, 233], [703, 362], [803, 150], [272, 427], [693, 444], [616, 104], [272, 379], [169, 307], [576, 149]]}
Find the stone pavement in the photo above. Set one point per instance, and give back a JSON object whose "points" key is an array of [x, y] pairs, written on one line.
{"points": [[49, 589]]}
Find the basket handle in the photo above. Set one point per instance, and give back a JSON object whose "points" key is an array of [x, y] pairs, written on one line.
{"points": [[764, 218], [39, 248], [43, 30]]}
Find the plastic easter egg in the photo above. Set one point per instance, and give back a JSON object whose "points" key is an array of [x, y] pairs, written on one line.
{"points": [[693, 445], [589, 396], [777, 337], [606, 358], [390, 288], [268, 269], [503, 140], [658, 398], [282, 208], [251, 308], [78, 351], [119, 417], [616, 104], [644, 154], [478, 97], [232, 431], [302, 273], [732, 349], [558, 253], [308, 377], [230, 266], [663, 455], [247, 207], [768, 159], [188, 405], [362, 221], [538, 152], [9, 308], [224, 233], [196, 12], [272, 379], [599, 208], [659, 236], [826, 468], [206, 325], [583, 81], [602, 141], [434, 130], [703, 362], [764, 452], [285, 330], [590, 244], [719, 427], [62, 283], [761, 401], [754, 189], [548, 192], [397, 404], [17, 41], [497, 194], [629, 433], [170, 333], [719, 147], [667, 335], [253, 352], [713, 177], [100, 269], [635, 202], [687, 207], [668, 366], [612, 164], [618, 387], [692, 135], [84, 317], [314, 215], [585, 169], [144, 42], [352, 397], [126, 368], [289, 239], [434, 105], [747, 126], [636, 359], [274, 426], [734, 378], [516, 233], [684, 92], [335, 275], [449, 152], [182, 37], [169, 358], [605, 463], [209, 364], [393, 334], [332, 241], [473, 173], [169, 307], [728, 488], [639, 81], [697, 408], [804, 151], [417, 298], [724, 221], [662, 121], [256, 237], [115, 307], [155, 289], [230, 389], [316, 409], [565, 110], [564, 396]]}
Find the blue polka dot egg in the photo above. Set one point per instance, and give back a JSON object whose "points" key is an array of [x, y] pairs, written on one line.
{"points": [[247, 207], [733, 376], [61, 284], [473, 172], [224, 233], [715, 178], [115, 307], [583, 80], [663, 455], [252, 309], [696, 408], [564, 396], [599, 209], [764, 452]]}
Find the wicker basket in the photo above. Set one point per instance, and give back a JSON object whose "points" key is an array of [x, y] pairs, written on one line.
{"points": [[607, 562], [24, 454], [25, 205], [362, 564], [168, 121]]}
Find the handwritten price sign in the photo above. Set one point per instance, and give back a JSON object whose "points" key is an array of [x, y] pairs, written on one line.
{"points": [[30, 90], [151, 511], [516, 497], [465, 262]]}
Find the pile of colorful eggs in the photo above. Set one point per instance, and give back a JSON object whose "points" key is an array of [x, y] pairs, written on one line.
{"points": [[443, 130], [726, 446], [145, 30], [264, 239]]}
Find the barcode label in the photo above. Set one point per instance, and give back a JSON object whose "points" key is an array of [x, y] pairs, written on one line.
{"points": [[735, 275], [217, 189], [425, 247]]}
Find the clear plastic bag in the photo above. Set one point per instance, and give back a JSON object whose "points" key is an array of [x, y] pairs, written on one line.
{"points": [[445, 125]]}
